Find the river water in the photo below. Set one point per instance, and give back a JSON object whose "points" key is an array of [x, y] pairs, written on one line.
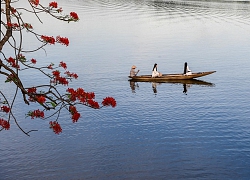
{"points": [[157, 131]]}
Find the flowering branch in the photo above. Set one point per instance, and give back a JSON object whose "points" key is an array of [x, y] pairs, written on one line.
{"points": [[47, 97]]}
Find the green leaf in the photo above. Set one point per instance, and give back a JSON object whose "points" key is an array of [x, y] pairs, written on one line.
{"points": [[53, 104]]}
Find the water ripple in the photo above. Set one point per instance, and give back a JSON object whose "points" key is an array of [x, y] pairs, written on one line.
{"points": [[233, 12]]}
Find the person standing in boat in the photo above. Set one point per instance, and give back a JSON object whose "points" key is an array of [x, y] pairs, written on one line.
{"points": [[155, 73], [133, 72]]}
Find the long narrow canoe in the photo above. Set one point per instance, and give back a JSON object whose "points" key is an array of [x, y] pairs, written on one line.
{"points": [[164, 77]]}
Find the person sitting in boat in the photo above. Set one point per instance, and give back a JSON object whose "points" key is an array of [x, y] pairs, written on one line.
{"points": [[133, 72], [188, 71], [155, 73]]}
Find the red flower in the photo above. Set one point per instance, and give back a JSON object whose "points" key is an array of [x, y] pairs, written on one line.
{"points": [[109, 101], [74, 75], [41, 99], [62, 64], [93, 104], [53, 4], [74, 16], [91, 95], [72, 95], [48, 39], [27, 25], [69, 74], [9, 24], [31, 90], [72, 109], [55, 126], [50, 66], [64, 41], [70, 90], [56, 73], [13, 10], [5, 124], [13, 25], [33, 61], [36, 113], [12, 62], [75, 114], [60, 80], [75, 117], [5, 109], [35, 2]]}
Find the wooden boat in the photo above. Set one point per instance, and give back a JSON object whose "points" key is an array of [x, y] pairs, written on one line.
{"points": [[167, 77]]}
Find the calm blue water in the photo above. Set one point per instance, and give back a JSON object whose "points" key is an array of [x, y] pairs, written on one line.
{"points": [[163, 134]]}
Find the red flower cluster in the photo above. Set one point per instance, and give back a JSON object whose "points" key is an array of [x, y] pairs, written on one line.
{"points": [[5, 124], [13, 25], [48, 39], [52, 40], [86, 98], [75, 114], [36, 114], [53, 4], [56, 73], [35, 2], [62, 64], [69, 74], [11, 60], [74, 16], [31, 90], [75, 117], [40, 99], [62, 80], [64, 41], [109, 101], [93, 104], [5, 109], [55, 126], [33, 61], [13, 63], [59, 79], [72, 109]]}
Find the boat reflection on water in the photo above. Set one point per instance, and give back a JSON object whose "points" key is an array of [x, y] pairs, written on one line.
{"points": [[133, 85], [154, 86], [186, 84]]}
